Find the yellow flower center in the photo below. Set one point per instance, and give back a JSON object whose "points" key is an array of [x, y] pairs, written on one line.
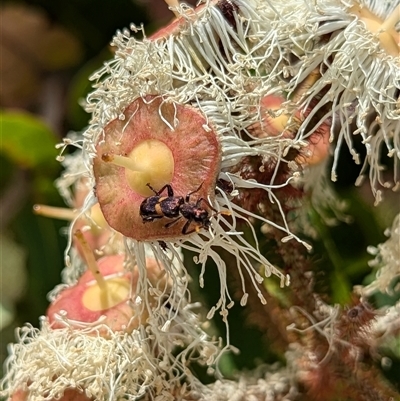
{"points": [[113, 292], [150, 162], [388, 36]]}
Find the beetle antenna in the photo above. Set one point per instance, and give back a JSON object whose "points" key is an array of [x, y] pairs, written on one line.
{"points": [[193, 192], [148, 185]]}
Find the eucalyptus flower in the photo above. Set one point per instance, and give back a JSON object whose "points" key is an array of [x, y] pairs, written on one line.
{"points": [[46, 362], [354, 45], [267, 383], [201, 136], [105, 363], [172, 109]]}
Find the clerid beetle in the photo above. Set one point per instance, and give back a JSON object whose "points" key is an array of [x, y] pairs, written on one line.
{"points": [[175, 207]]}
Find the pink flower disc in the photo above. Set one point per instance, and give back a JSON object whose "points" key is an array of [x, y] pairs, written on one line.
{"points": [[196, 159]]}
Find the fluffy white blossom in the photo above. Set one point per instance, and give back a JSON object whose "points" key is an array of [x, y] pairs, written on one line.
{"points": [[353, 45], [217, 63], [45, 362], [387, 260], [223, 68]]}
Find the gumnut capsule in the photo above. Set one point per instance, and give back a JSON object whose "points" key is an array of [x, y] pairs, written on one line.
{"points": [[158, 142], [88, 300], [179, 24], [105, 291], [277, 120]]}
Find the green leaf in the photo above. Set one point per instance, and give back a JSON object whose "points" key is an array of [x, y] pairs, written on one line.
{"points": [[26, 140]]}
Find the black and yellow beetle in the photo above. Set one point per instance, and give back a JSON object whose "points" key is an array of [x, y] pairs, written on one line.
{"points": [[175, 207]]}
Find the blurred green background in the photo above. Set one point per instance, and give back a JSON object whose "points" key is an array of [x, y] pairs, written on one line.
{"points": [[49, 49]]}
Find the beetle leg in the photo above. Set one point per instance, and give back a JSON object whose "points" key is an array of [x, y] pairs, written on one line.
{"points": [[169, 190], [186, 226], [167, 186], [171, 223], [147, 219]]}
